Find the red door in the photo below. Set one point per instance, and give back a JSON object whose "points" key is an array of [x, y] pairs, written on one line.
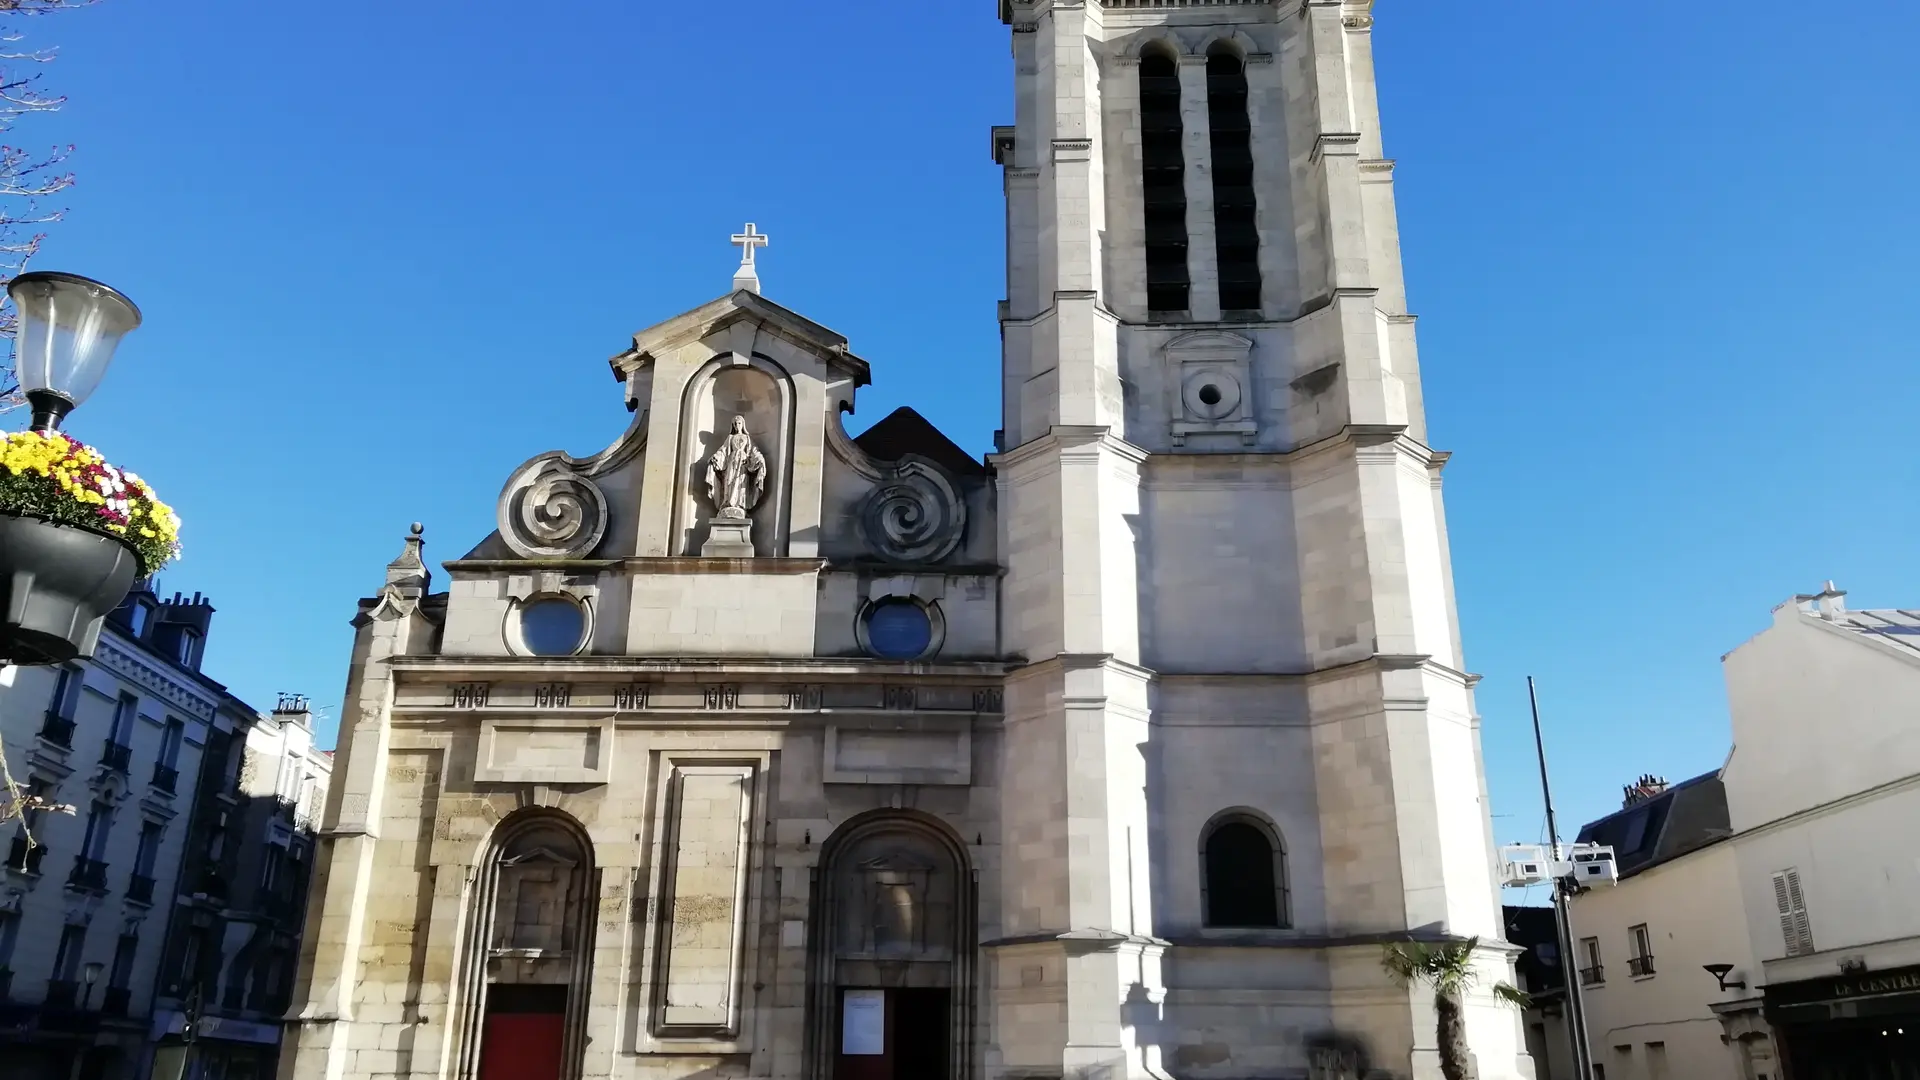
{"points": [[522, 1046]]}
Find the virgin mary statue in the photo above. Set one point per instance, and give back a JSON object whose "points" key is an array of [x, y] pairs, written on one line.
{"points": [[736, 473]]}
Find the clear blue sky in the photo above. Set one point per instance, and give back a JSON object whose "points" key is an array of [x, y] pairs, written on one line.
{"points": [[1662, 259]]}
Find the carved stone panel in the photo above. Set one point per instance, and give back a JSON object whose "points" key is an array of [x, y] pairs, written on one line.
{"points": [[1211, 377], [545, 752], [868, 756], [703, 919]]}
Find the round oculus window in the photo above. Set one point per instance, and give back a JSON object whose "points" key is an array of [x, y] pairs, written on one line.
{"points": [[898, 630], [552, 627]]}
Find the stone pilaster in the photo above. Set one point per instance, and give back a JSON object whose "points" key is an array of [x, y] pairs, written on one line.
{"points": [[321, 1039]]}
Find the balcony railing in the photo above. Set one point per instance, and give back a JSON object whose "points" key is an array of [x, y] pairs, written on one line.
{"points": [[1592, 976], [117, 756], [166, 779], [57, 729], [116, 1000], [62, 993], [140, 889], [1640, 966], [23, 859], [88, 874]]}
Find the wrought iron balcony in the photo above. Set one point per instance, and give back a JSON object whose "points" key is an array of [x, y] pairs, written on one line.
{"points": [[23, 859], [88, 874], [140, 889], [166, 779], [116, 1001], [117, 756], [1640, 965], [62, 993], [57, 729], [1592, 976]]}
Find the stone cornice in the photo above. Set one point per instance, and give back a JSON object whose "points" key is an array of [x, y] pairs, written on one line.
{"points": [[153, 679], [692, 564], [694, 668]]}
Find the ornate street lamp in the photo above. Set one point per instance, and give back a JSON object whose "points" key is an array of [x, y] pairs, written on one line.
{"points": [[69, 329], [75, 532], [89, 974]]}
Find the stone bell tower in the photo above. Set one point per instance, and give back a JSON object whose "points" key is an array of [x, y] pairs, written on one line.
{"points": [[1227, 570]]}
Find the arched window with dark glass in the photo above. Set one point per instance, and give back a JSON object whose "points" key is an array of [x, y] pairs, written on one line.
{"points": [[1236, 238], [1164, 182], [1244, 874]]}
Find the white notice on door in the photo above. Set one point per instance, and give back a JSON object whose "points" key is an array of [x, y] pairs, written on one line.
{"points": [[863, 1023]]}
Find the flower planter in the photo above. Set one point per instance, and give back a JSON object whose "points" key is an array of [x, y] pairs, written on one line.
{"points": [[57, 582]]}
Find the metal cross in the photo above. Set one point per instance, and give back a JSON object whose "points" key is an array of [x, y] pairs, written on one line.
{"points": [[747, 241]]}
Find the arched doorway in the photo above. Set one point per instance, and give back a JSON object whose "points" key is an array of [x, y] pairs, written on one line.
{"points": [[530, 950], [891, 988]]}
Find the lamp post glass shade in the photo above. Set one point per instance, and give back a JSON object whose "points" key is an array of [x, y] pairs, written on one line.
{"points": [[69, 329], [90, 973]]}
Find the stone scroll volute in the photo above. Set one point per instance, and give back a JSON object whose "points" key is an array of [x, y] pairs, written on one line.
{"points": [[914, 514], [550, 510]]}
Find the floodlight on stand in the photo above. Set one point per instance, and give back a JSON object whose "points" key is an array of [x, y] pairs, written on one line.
{"points": [[69, 329]]}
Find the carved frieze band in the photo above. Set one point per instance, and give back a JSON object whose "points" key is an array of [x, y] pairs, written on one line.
{"points": [[549, 510], [692, 697]]}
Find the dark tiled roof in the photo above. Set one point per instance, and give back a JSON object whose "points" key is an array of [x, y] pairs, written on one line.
{"points": [[1532, 929], [1895, 626], [1684, 818], [906, 432]]}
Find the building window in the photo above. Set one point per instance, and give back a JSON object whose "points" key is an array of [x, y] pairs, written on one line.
{"points": [[1163, 183], [1796, 929], [1640, 945], [9, 934], [1243, 874], [1657, 1061], [1236, 235], [1591, 973], [189, 648], [66, 959], [898, 629], [57, 727], [140, 618], [99, 824], [552, 626]]}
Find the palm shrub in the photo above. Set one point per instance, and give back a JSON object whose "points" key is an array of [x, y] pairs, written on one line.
{"points": [[1445, 967]]}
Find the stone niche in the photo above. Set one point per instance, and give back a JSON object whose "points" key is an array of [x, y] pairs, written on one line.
{"points": [[761, 392]]}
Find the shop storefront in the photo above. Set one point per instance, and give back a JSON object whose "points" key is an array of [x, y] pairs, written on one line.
{"points": [[223, 1048], [1861, 1026]]}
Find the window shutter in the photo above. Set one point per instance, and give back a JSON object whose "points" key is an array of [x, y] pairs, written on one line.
{"points": [[1796, 930], [1802, 926]]}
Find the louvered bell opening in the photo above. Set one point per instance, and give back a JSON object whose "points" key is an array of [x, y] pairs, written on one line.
{"points": [[1236, 232], [1163, 183]]}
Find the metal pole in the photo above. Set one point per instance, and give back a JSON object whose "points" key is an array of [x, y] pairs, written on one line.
{"points": [[1562, 916]]}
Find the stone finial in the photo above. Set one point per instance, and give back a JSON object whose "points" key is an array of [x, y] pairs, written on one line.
{"points": [[748, 276], [408, 574]]}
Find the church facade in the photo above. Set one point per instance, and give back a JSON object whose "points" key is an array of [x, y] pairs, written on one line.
{"points": [[746, 748]]}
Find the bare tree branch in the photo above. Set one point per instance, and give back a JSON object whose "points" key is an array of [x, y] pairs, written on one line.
{"points": [[26, 176]]}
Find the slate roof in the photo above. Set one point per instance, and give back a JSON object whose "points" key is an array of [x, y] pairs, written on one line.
{"points": [[1532, 929], [906, 432], [1894, 626], [1684, 818]]}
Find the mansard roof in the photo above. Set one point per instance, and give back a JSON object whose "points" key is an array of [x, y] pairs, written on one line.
{"points": [[735, 307]]}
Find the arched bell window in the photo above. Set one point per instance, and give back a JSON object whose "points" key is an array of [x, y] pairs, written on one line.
{"points": [[1163, 182], [1243, 873], [1236, 235]]}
